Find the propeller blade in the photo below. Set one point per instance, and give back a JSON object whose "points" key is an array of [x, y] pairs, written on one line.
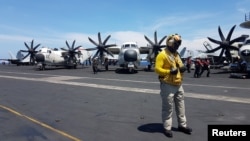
{"points": [[67, 44], [233, 48], [64, 49], [77, 48], [32, 43], [96, 54], [92, 41], [73, 44], [24, 50], [36, 46], [26, 45], [155, 36], [99, 38], [162, 46], [105, 41], [220, 56], [109, 52], [230, 33], [26, 56], [90, 49], [111, 45], [221, 53], [150, 42], [221, 34], [239, 39], [162, 40], [213, 50], [228, 55], [214, 41]]}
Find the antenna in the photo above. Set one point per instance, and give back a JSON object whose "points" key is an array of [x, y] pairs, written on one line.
{"points": [[207, 46], [247, 18]]}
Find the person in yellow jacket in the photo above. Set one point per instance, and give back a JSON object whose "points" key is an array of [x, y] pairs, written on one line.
{"points": [[170, 69]]}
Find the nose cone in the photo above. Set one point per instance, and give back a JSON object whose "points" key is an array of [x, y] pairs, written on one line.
{"points": [[245, 52], [40, 58], [130, 55]]}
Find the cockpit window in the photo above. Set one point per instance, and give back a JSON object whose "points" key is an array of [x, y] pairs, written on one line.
{"points": [[247, 41], [133, 46], [129, 46]]}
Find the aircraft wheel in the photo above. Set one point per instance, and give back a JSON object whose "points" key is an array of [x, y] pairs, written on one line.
{"points": [[131, 70], [106, 68], [42, 67], [149, 67]]}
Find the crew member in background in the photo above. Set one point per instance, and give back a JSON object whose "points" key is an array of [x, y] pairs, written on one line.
{"points": [[198, 66], [106, 64], [94, 65], [206, 66], [188, 64], [170, 69]]}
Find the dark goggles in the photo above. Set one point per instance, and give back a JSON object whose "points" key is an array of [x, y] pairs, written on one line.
{"points": [[177, 43]]}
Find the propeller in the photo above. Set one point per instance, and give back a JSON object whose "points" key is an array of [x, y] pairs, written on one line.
{"points": [[226, 44], [72, 51], [31, 51], [155, 47], [101, 47]]}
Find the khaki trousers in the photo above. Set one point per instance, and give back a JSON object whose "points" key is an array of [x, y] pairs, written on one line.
{"points": [[172, 96]]}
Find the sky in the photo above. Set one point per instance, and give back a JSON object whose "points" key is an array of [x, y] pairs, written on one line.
{"points": [[52, 22]]}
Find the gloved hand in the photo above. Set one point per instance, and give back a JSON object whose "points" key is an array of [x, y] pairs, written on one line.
{"points": [[182, 69], [174, 71]]}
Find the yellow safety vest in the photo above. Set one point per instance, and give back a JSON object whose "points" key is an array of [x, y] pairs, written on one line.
{"points": [[165, 61]]}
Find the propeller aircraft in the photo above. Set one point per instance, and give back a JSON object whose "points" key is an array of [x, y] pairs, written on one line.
{"points": [[18, 59], [68, 58], [102, 49], [129, 53], [129, 57], [244, 51], [226, 45], [24, 59]]}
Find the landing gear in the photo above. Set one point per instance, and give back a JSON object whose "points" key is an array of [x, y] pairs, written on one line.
{"points": [[106, 67], [41, 66], [130, 70]]}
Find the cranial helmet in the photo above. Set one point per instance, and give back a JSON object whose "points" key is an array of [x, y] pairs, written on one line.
{"points": [[173, 42]]}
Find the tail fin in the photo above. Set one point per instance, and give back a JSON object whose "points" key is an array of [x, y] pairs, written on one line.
{"points": [[84, 54], [19, 55], [182, 52], [11, 55]]}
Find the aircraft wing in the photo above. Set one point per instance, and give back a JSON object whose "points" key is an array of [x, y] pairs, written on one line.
{"points": [[5, 59], [115, 57], [144, 50], [114, 50]]}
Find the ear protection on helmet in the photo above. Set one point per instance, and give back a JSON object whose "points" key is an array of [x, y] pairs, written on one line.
{"points": [[173, 40], [170, 42]]}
